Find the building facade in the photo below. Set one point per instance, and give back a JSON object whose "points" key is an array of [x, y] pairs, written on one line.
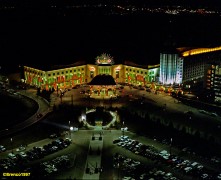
{"points": [[186, 64], [81, 73], [213, 80], [171, 68]]}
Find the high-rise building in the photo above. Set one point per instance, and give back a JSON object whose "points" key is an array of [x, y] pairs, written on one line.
{"points": [[184, 65], [213, 80]]}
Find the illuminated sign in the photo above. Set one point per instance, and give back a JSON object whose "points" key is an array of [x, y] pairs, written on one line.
{"points": [[104, 59], [91, 68]]}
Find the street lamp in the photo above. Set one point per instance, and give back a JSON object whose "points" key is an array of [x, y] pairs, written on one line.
{"points": [[69, 122], [171, 140], [12, 144], [123, 129], [118, 172], [71, 129]]}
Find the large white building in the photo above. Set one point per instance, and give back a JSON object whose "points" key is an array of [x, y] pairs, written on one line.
{"points": [[65, 76], [171, 68], [186, 64]]}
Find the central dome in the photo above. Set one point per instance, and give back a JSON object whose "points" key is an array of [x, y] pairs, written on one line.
{"points": [[102, 79]]}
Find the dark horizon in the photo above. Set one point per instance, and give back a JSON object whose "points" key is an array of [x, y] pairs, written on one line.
{"points": [[58, 39]]}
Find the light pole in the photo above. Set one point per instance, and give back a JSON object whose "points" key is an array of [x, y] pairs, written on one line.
{"points": [[71, 129], [12, 144], [69, 123], [118, 172], [123, 129], [171, 140]]}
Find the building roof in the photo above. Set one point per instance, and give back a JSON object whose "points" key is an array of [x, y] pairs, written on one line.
{"points": [[130, 63], [187, 51], [102, 79], [49, 67]]}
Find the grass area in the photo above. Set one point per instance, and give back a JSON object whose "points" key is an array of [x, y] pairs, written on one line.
{"points": [[15, 109], [55, 122]]}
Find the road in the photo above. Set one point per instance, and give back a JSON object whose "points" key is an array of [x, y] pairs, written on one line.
{"points": [[43, 108]]}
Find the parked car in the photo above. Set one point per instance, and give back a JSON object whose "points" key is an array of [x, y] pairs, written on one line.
{"points": [[12, 156], [116, 141], [53, 136], [2, 148], [21, 148]]}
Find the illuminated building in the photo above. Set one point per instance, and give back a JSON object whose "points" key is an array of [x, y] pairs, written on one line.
{"points": [[213, 80], [65, 76], [186, 64], [171, 69]]}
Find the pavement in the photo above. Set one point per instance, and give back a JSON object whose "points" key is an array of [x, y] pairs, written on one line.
{"points": [[93, 163]]}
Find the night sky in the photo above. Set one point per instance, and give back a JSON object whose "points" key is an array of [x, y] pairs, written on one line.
{"points": [[56, 38]]}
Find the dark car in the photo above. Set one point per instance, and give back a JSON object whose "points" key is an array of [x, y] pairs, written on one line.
{"points": [[116, 141]]}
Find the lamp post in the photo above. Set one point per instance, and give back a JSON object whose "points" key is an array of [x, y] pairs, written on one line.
{"points": [[118, 170], [71, 129], [69, 123], [123, 129], [171, 140], [12, 144]]}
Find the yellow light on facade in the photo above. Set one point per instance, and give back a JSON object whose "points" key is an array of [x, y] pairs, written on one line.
{"points": [[200, 51]]}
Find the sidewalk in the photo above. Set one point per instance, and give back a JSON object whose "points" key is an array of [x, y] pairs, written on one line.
{"points": [[93, 163]]}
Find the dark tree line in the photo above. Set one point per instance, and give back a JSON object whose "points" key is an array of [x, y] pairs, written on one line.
{"points": [[45, 93]]}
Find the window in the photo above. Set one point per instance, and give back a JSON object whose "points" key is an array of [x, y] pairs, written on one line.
{"points": [[82, 69], [91, 74], [58, 73], [117, 74], [49, 74], [53, 74]]}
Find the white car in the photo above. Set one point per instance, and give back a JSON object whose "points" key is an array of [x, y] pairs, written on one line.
{"points": [[2, 148], [204, 176], [21, 148], [23, 154], [124, 129], [11, 156]]}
